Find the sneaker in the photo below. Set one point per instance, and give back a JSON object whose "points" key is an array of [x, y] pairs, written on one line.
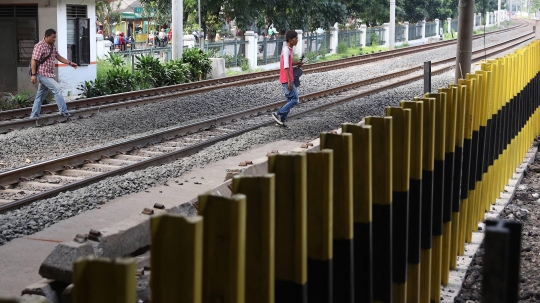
{"points": [[65, 114], [283, 125], [277, 117]]}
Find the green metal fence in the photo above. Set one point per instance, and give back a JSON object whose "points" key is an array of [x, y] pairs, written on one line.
{"points": [[375, 33]]}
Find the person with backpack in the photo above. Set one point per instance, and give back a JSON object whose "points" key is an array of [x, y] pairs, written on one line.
{"points": [[44, 58], [286, 78]]}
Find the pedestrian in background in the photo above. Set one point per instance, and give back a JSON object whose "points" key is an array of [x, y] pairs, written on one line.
{"points": [[44, 58], [286, 78]]}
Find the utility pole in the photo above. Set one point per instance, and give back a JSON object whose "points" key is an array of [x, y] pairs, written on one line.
{"points": [[392, 24], [201, 31], [499, 14], [178, 29], [464, 43]]}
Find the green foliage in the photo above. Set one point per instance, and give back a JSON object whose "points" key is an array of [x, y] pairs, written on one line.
{"points": [[20, 100], [375, 39], [342, 47], [176, 72], [115, 60], [152, 68], [200, 65]]}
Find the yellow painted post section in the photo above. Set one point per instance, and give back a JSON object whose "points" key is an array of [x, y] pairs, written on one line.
{"points": [[401, 135], [224, 248], [176, 259], [291, 217], [382, 162], [104, 280], [487, 179], [428, 164], [260, 235], [343, 182], [362, 171], [416, 155], [440, 138], [450, 148], [320, 180], [459, 144], [484, 110]]}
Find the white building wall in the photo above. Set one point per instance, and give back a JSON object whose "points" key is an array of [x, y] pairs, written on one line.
{"points": [[68, 77]]}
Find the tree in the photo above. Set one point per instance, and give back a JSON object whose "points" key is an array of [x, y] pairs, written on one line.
{"points": [[106, 12]]}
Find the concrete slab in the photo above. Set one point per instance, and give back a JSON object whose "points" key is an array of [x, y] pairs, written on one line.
{"points": [[20, 259]]}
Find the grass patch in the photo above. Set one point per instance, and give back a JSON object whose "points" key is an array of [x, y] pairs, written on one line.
{"points": [[103, 66], [234, 72]]}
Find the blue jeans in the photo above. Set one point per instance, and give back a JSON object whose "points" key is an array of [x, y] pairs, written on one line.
{"points": [[46, 84], [292, 100]]}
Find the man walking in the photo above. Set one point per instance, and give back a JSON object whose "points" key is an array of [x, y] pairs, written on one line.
{"points": [[286, 78], [44, 58]]}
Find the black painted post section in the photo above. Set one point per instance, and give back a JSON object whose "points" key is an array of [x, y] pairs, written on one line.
{"points": [[427, 77], [502, 246]]}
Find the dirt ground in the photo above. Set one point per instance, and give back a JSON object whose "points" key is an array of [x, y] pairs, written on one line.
{"points": [[523, 208]]}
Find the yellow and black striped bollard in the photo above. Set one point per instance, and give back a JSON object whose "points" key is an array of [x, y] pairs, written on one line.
{"points": [[291, 227], [382, 207], [260, 235], [343, 215], [362, 199], [401, 146], [224, 248], [415, 199], [428, 162], [320, 223], [438, 194], [448, 191], [457, 211], [104, 280], [176, 259]]}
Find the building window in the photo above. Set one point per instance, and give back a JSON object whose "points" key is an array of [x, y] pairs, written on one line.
{"points": [[25, 25], [78, 34]]}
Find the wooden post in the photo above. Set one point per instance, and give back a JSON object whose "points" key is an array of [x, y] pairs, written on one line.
{"points": [[320, 216], [401, 146], [343, 215], [291, 227], [260, 235], [438, 194], [415, 199], [224, 248], [176, 259], [428, 163], [104, 280], [362, 199], [382, 207]]}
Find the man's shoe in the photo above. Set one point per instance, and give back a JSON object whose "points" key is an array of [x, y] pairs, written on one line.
{"points": [[277, 118], [65, 114]]}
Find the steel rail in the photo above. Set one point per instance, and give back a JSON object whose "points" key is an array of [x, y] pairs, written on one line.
{"points": [[39, 169]]}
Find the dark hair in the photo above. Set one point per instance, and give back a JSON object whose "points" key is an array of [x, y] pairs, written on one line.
{"points": [[290, 35], [50, 32]]}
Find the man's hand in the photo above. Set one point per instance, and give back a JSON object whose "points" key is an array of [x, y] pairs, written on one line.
{"points": [[290, 85], [73, 64], [33, 79]]}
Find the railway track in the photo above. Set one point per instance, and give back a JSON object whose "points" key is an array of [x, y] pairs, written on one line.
{"points": [[17, 119], [46, 179]]}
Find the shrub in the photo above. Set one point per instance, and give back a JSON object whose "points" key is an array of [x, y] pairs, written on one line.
{"points": [[375, 40], [115, 60], [151, 66], [200, 65], [176, 72], [342, 48], [20, 100]]}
